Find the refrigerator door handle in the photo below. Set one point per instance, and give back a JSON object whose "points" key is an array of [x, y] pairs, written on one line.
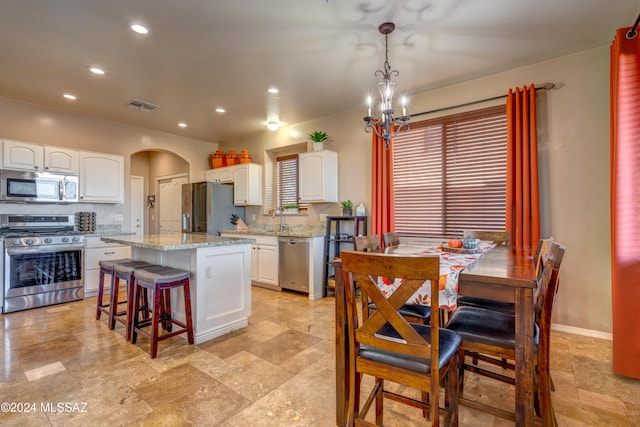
{"points": [[185, 222]]}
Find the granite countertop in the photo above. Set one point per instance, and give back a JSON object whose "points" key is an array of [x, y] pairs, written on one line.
{"points": [[107, 234], [285, 233], [176, 241]]}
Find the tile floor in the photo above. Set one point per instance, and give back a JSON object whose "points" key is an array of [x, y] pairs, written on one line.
{"points": [[71, 370]]}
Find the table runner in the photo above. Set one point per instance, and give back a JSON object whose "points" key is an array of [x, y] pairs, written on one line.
{"points": [[450, 266]]}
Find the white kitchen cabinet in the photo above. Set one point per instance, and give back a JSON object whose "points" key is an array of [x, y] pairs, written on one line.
{"points": [[247, 184], [40, 158], [264, 259], [57, 159], [22, 155], [318, 180], [224, 174], [254, 262], [267, 260], [97, 250], [101, 178]]}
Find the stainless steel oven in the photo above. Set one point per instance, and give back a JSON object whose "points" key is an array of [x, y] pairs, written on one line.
{"points": [[43, 261]]}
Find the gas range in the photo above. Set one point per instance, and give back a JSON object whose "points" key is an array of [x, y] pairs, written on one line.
{"points": [[38, 230], [43, 261]]}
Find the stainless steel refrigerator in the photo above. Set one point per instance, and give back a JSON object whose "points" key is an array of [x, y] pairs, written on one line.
{"points": [[208, 207]]}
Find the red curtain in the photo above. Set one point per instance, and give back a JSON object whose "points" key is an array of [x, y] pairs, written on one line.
{"points": [[523, 202], [625, 202], [382, 211]]}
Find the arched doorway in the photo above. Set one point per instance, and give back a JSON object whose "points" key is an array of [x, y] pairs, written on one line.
{"points": [[156, 167]]}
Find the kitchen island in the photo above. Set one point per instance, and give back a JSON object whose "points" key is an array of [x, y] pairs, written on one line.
{"points": [[220, 276]]}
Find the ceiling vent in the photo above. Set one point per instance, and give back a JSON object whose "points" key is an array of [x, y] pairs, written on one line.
{"points": [[136, 104]]}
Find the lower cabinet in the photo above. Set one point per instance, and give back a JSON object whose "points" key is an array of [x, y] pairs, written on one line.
{"points": [[96, 251], [264, 260]]}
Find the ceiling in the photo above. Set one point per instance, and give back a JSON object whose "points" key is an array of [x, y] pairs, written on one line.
{"points": [[320, 54]]}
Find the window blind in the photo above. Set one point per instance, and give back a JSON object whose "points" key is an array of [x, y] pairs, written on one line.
{"points": [[450, 174], [287, 180]]}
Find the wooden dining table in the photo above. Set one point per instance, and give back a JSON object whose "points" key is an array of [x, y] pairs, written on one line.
{"points": [[505, 273]]}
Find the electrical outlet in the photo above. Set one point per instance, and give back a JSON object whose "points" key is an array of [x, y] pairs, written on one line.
{"points": [[253, 217], [323, 217], [118, 218]]}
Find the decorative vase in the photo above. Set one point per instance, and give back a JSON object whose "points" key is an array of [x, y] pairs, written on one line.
{"points": [[218, 159], [347, 211], [318, 146]]}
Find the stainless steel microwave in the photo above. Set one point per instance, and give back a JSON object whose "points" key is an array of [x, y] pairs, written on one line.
{"points": [[37, 187]]}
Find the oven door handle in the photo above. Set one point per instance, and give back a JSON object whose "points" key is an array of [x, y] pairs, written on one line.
{"points": [[42, 249]]}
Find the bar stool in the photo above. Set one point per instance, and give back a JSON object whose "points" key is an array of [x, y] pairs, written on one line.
{"points": [[160, 280], [106, 267], [124, 271]]}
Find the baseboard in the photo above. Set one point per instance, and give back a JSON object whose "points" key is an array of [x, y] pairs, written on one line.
{"points": [[584, 332]]}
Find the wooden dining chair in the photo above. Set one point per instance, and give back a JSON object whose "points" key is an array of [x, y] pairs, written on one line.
{"points": [[367, 243], [413, 312], [491, 334], [388, 347], [540, 256], [500, 238], [390, 238]]}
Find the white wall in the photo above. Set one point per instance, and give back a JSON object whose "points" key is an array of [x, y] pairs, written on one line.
{"points": [[573, 129], [47, 126]]}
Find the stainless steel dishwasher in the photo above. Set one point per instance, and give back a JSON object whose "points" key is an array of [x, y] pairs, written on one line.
{"points": [[293, 269]]}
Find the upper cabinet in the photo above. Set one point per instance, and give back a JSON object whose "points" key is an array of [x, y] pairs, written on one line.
{"points": [[22, 155], [101, 178], [318, 176], [224, 174], [247, 184], [33, 157], [58, 159]]}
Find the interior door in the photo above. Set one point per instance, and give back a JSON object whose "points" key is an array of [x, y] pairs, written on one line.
{"points": [[170, 204], [136, 205]]}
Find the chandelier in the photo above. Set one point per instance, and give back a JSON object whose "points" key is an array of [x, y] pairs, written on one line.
{"points": [[382, 125]]}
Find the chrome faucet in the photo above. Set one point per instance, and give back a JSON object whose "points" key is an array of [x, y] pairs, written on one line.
{"points": [[279, 210]]}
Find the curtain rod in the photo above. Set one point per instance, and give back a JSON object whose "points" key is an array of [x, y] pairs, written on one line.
{"points": [[544, 86], [632, 33]]}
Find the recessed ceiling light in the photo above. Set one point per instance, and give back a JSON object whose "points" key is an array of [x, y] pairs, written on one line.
{"points": [[69, 96], [273, 90], [182, 125], [139, 28], [96, 70], [220, 110]]}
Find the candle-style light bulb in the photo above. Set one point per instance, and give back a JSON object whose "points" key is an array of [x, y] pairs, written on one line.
{"points": [[369, 106], [404, 106]]}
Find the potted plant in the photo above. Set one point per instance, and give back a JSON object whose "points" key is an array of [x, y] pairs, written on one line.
{"points": [[318, 138], [347, 207], [291, 209]]}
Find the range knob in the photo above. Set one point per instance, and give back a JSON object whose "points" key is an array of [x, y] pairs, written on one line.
{"points": [[16, 242], [48, 240], [75, 239], [29, 241], [65, 239]]}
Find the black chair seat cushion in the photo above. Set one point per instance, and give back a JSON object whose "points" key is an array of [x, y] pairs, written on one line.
{"points": [[415, 310], [449, 344], [504, 307], [484, 326]]}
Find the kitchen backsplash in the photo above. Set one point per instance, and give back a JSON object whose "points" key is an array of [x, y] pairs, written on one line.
{"points": [[319, 228], [105, 212]]}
